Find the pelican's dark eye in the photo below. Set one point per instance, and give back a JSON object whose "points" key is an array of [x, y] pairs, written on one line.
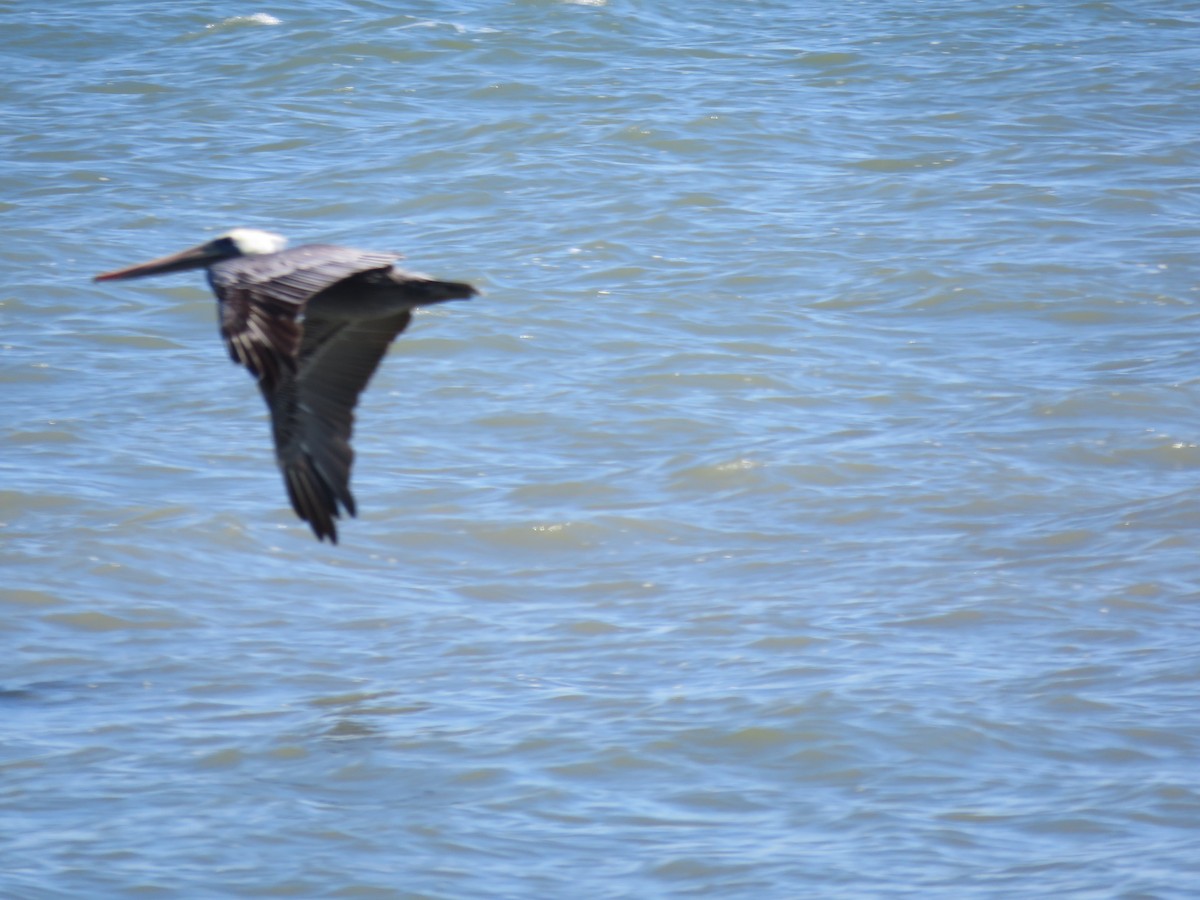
{"points": [[225, 246]]}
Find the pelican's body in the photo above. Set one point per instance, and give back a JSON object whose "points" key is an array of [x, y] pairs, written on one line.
{"points": [[311, 324]]}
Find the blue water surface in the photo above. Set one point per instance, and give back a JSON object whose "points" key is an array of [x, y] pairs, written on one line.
{"points": [[808, 507]]}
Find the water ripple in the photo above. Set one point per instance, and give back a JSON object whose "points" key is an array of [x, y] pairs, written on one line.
{"points": [[814, 481]]}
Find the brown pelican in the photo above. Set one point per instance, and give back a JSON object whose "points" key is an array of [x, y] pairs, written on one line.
{"points": [[311, 324]]}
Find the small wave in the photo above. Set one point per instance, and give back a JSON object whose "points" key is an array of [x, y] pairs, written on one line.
{"points": [[253, 19]]}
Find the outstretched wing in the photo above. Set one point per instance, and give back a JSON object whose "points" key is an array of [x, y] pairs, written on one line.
{"points": [[262, 297], [312, 413]]}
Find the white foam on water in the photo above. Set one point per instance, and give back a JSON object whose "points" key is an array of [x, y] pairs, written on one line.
{"points": [[259, 18]]}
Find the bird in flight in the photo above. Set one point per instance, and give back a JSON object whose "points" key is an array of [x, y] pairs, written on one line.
{"points": [[311, 324]]}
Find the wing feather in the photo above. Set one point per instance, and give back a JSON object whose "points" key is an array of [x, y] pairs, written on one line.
{"points": [[262, 298], [312, 364], [313, 413]]}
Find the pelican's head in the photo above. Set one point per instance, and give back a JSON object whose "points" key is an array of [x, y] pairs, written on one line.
{"points": [[252, 242], [237, 242]]}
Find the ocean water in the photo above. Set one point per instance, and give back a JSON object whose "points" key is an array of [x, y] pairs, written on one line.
{"points": [[808, 508]]}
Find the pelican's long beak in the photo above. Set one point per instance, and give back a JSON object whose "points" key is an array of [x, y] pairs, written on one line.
{"points": [[192, 258]]}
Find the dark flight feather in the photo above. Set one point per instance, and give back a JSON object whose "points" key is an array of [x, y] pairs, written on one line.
{"points": [[279, 319]]}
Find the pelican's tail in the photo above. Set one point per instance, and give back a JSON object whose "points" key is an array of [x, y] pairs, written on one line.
{"points": [[424, 290]]}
